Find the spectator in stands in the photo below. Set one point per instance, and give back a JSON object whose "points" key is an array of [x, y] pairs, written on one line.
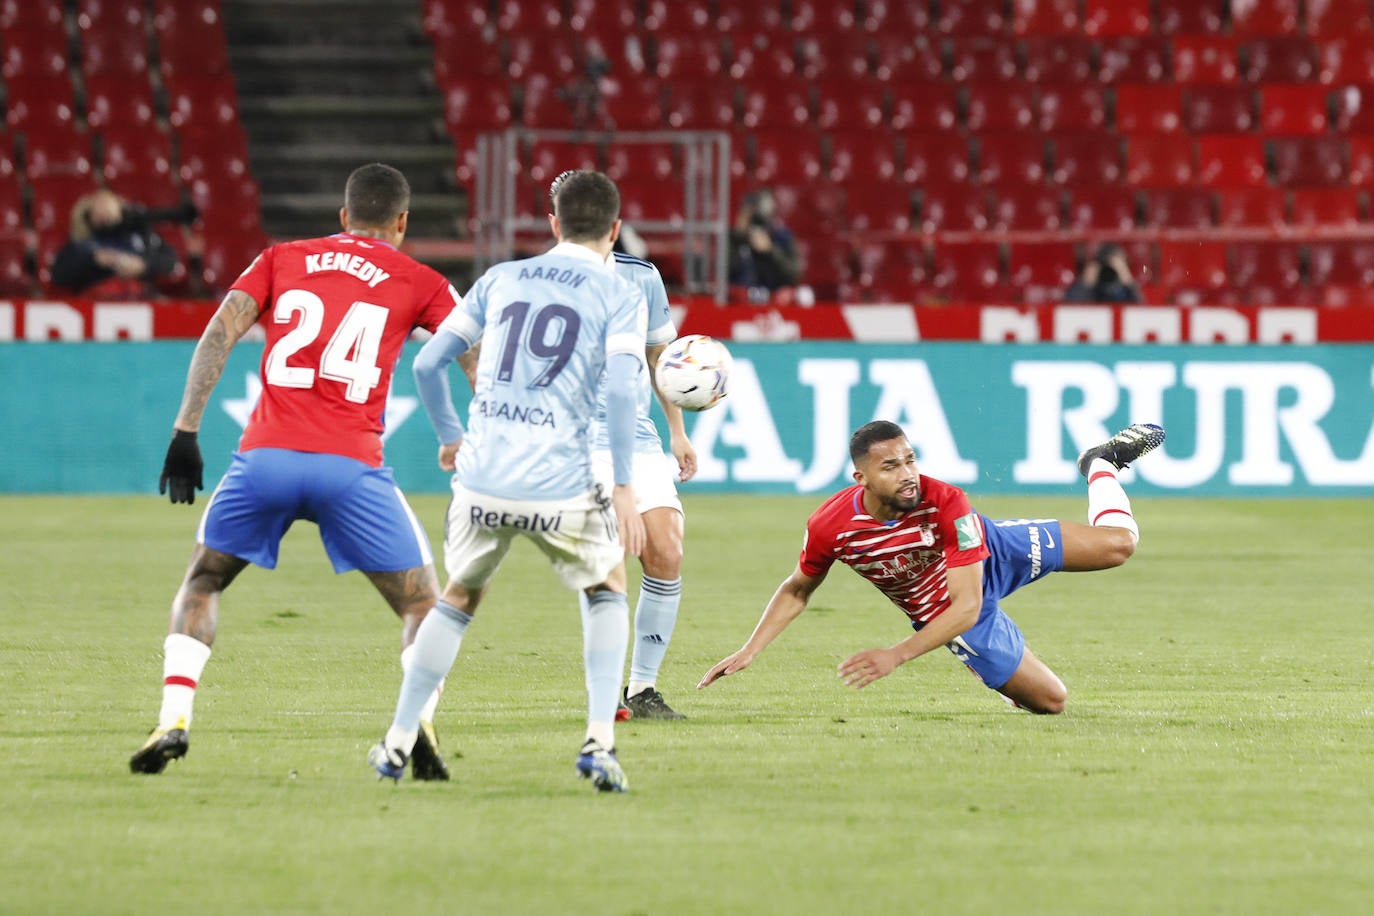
{"points": [[1106, 277], [110, 238], [763, 255]]}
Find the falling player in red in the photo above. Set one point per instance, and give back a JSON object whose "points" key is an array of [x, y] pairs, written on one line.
{"points": [[336, 311], [922, 545]]}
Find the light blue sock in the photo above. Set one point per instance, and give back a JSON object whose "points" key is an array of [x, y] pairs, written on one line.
{"points": [[605, 628], [655, 617], [435, 649]]}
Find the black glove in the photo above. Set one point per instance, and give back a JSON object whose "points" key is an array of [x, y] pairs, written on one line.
{"points": [[183, 468]]}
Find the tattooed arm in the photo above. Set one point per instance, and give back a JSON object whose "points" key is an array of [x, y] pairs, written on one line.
{"points": [[236, 314]]}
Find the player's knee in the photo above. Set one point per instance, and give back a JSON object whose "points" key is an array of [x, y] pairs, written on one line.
{"points": [[1051, 702], [662, 561]]}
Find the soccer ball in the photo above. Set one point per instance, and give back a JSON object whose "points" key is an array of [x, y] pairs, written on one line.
{"points": [[693, 372]]}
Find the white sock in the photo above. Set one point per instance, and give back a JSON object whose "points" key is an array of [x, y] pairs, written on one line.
{"points": [[427, 711], [435, 650], [1108, 506], [605, 628], [655, 618], [183, 660]]}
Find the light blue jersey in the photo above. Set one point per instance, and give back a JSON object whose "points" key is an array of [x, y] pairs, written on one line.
{"points": [[547, 326], [660, 331]]}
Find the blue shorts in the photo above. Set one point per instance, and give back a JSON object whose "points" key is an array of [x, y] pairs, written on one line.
{"points": [[1022, 550], [365, 522]]}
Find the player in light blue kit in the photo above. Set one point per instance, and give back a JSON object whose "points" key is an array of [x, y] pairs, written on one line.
{"points": [[549, 326]]}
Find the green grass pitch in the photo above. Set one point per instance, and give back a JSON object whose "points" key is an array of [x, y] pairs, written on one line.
{"points": [[1217, 755]]}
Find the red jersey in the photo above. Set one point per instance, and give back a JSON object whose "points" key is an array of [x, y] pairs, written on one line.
{"points": [[906, 559], [337, 311]]}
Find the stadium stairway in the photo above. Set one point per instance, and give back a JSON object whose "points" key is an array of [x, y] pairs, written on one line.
{"points": [[326, 85]]}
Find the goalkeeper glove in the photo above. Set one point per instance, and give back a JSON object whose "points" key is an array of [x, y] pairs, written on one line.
{"points": [[183, 468]]}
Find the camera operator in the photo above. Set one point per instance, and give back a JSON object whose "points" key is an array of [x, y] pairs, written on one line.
{"points": [[1106, 277], [763, 256], [112, 238]]}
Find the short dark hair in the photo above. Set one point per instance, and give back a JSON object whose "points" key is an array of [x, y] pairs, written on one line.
{"points": [[870, 434], [376, 194], [586, 203]]}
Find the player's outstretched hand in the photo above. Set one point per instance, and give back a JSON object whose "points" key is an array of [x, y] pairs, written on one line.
{"points": [[448, 455], [732, 663], [863, 668], [628, 520], [183, 468]]}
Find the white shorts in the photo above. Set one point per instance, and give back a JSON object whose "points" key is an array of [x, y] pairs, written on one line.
{"points": [[654, 475], [578, 535]]}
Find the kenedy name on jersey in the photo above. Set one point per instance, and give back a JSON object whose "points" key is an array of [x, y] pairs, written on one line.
{"points": [[516, 413], [354, 264]]}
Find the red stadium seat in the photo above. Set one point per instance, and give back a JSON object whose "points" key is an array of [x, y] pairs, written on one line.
{"points": [[1159, 160], [645, 200], [1264, 17], [1354, 109], [603, 17], [678, 17], [41, 102], [119, 100], [1341, 262], [230, 208], [777, 104], [458, 61], [953, 208], [924, 107], [1308, 161], [967, 269], [56, 150], [1338, 18], [53, 199], [190, 38], [902, 59], [1046, 17], [1206, 59], [1148, 109], [1219, 109], [641, 161], [786, 155], [528, 16], [1061, 59], [889, 271], [1361, 173], [1008, 157], [1230, 161], [118, 47], [1022, 206], [688, 56], [702, 105], [863, 156], [1273, 264], [31, 14], [137, 163], [895, 17], [442, 18], [482, 103], [1292, 110], [982, 59], [202, 101], [11, 200], [14, 275], [1000, 107], [1193, 265], [546, 104], [821, 16], [1116, 17], [850, 105], [971, 17], [1325, 207], [34, 54], [1252, 208], [1103, 208], [556, 57], [835, 56], [1177, 208], [1346, 60], [1134, 60], [1042, 264], [632, 105], [1188, 17], [1086, 158], [935, 158], [1279, 60], [224, 260], [744, 18], [878, 206], [1072, 107], [771, 61]]}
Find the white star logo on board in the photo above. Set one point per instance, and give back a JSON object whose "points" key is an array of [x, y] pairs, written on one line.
{"points": [[398, 407]]}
